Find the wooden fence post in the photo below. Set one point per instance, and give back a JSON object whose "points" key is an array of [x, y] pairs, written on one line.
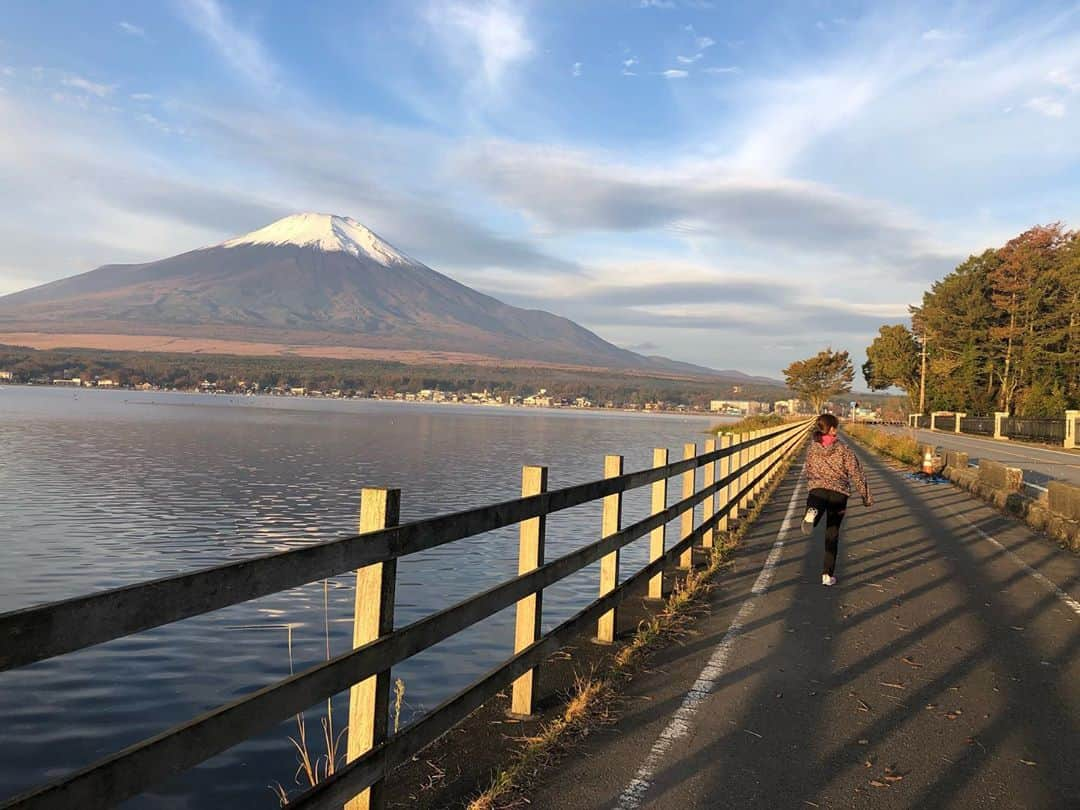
{"points": [[529, 609], [686, 559], [708, 479], [724, 495], [609, 563], [744, 476], [369, 700], [656, 537], [759, 452]]}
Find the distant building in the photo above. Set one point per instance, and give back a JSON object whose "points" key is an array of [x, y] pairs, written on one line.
{"points": [[539, 400], [107, 383], [298, 390], [6, 376], [74, 382], [144, 386], [737, 406], [788, 407]]}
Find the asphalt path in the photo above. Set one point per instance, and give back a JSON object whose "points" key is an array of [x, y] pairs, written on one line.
{"points": [[942, 671], [1039, 464]]}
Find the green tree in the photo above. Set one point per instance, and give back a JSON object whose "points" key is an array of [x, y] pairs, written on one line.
{"points": [[893, 360], [819, 378]]}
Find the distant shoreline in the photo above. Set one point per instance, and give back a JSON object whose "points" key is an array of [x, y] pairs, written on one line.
{"points": [[283, 399]]}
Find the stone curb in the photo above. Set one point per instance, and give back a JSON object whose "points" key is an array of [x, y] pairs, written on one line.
{"points": [[999, 486]]}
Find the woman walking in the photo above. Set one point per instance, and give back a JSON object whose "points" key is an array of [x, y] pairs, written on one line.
{"points": [[833, 474]]}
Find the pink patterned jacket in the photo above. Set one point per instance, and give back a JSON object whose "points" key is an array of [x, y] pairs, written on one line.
{"points": [[836, 468]]}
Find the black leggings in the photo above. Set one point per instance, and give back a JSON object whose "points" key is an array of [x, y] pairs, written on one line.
{"points": [[832, 505]]}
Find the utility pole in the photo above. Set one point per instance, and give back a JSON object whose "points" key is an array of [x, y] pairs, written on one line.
{"points": [[922, 376]]}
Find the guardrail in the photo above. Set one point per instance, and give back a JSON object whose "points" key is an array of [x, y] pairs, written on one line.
{"points": [[1064, 431], [734, 470]]}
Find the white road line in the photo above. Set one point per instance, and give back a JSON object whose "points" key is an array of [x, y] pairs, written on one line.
{"points": [[682, 720], [1058, 592]]}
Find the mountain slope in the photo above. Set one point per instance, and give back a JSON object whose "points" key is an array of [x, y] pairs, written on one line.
{"points": [[310, 279]]}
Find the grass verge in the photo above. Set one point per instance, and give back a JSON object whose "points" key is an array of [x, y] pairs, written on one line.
{"points": [[901, 448], [750, 423], [592, 700]]}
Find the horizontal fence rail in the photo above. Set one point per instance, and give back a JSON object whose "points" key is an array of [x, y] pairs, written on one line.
{"points": [[1044, 430], [738, 469], [34, 634], [977, 425]]}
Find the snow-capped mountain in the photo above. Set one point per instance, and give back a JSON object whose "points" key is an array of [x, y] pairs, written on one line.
{"points": [[326, 232], [308, 280], [316, 283]]}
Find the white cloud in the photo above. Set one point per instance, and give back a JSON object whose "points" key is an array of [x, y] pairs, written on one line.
{"points": [[719, 70], [87, 86], [628, 65], [689, 60], [576, 70], [674, 74], [657, 4], [702, 43], [1063, 78], [934, 35], [142, 97], [1050, 107], [492, 33], [131, 28], [240, 49]]}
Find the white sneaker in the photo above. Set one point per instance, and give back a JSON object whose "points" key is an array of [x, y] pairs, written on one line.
{"points": [[808, 521], [827, 580]]}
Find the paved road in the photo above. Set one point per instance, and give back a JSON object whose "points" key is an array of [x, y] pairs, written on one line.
{"points": [[1039, 464], [942, 671]]}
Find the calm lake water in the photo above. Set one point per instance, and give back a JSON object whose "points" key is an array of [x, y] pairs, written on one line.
{"points": [[102, 489]]}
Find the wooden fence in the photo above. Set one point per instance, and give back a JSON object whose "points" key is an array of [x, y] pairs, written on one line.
{"points": [[734, 469]]}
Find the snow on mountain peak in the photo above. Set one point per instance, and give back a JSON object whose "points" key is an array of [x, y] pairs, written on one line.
{"points": [[324, 232]]}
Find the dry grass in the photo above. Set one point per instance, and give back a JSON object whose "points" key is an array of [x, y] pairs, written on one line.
{"points": [[313, 768], [591, 702], [902, 448]]}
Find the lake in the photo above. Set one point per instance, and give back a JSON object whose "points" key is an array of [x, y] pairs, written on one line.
{"points": [[106, 488]]}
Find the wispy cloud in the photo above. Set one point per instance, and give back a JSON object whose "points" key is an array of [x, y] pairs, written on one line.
{"points": [[576, 69], [142, 97], [674, 73], [1063, 78], [567, 190], [719, 70], [1044, 105], [702, 43], [689, 60], [131, 28], [628, 67], [93, 88], [241, 49], [657, 4], [491, 34]]}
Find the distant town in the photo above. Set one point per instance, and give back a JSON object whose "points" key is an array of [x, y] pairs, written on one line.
{"points": [[541, 399]]}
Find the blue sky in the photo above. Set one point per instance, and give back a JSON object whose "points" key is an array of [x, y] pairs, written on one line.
{"points": [[730, 184]]}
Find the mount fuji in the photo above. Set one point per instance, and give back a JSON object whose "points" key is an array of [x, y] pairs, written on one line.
{"points": [[308, 280]]}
